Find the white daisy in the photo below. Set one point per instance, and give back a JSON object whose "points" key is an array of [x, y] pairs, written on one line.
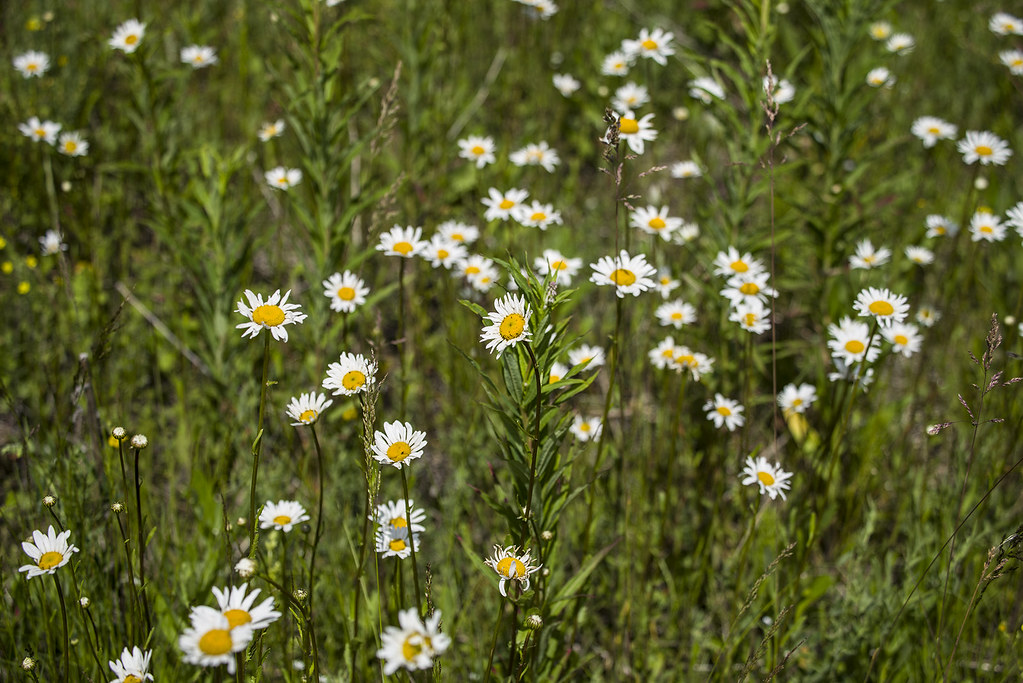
{"points": [[271, 130], [849, 341], [928, 316], [1014, 60], [566, 84], [771, 479], [392, 514], [306, 409], [586, 428], [905, 338], [413, 644], [930, 129], [210, 640], [501, 204], [508, 324], [698, 364], [346, 291], [987, 227], [132, 667], [459, 232], [630, 96], [128, 36], [49, 552], [72, 144], [635, 131], [239, 610], [404, 242], [558, 370], [1003, 24], [706, 89], [282, 515], [724, 412], [616, 64], [686, 169], [884, 305], [32, 64], [900, 43], [1014, 216], [52, 243], [866, 257], [752, 316], [655, 45], [748, 287], [40, 130], [396, 541], [781, 90], [661, 356], [985, 147], [793, 399], [732, 262], [563, 267], [940, 226], [477, 148], [588, 356], [444, 252], [536, 215], [536, 154], [399, 443], [511, 564], [198, 56], [666, 284], [273, 314], [283, 178], [676, 314], [350, 375], [654, 221], [627, 274], [880, 78], [880, 30]]}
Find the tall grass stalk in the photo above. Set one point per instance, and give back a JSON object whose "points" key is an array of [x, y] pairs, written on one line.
{"points": [[257, 445]]}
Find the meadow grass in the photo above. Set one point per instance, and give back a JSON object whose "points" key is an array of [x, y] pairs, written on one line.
{"points": [[654, 513]]}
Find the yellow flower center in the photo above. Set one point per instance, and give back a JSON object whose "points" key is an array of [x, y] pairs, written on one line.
{"points": [[512, 325], [854, 346], [50, 559], [986, 229], [676, 316], [410, 650], [308, 416], [623, 277], [749, 288], [472, 270], [933, 130], [443, 253], [197, 59], [901, 339], [268, 315], [237, 617], [32, 67], [939, 230], [649, 44], [538, 216], [506, 204], [559, 265], [353, 380], [346, 293], [403, 248], [397, 545], [881, 308], [511, 567], [685, 359], [398, 451], [657, 223], [477, 150], [749, 319], [765, 478], [984, 150], [457, 237], [70, 146], [40, 132], [1017, 62], [398, 522], [796, 402], [282, 520], [215, 642], [584, 427], [132, 678], [738, 266], [724, 410], [628, 126], [131, 39]]}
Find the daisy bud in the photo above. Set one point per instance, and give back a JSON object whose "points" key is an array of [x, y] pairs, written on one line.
{"points": [[534, 622], [245, 567], [49, 501], [547, 535], [680, 113], [85, 602], [117, 508], [139, 441], [241, 521], [119, 433], [65, 186], [300, 594], [28, 664], [980, 183]]}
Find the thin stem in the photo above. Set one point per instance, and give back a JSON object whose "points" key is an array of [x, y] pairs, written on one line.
{"points": [[401, 336], [135, 609], [411, 540], [141, 544], [535, 445], [67, 639], [493, 643], [257, 446], [316, 543]]}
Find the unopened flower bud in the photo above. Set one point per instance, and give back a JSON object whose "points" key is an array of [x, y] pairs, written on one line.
{"points": [[119, 433], [300, 594], [49, 501], [139, 441], [85, 602], [534, 622], [546, 534], [28, 664], [245, 567], [117, 507]]}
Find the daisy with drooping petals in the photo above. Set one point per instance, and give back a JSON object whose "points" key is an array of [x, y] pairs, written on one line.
{"points": [[706, 89], [40, 130], [566, 84], [793, 399], [586, 355], [724, 412], [198, 56], [238, 607], [885, 306], [654, 221], [271, 130], [676, 314], [412, 644], [849, 341], [586, 428], [930, 129], [866, 257], [478, 149], [630, 96], [511, 564], [905, 338], [752, 316], [396, 541], [501, 204], [273, 314], [49, 552], [900, 43], [732, 262], [921, 256], [985, 147], [627, 274], [635, 131], [1014, 60], [346, 291], [987, 227], [686, 169], [536, 154], [928, 316], [459, 232], [536, 215], [132, 667], [771, 479], [306, 409], [562, 267], [72, 144], [128, 36], [616, 64], [686, 234], [940, 226], [1003, 24], [283, 178], [880, 78], [350, 375], [404, 242], [282, 515], [210, 640], [655, 45], [32, 64], [399, 443], [392, 514], [509, 324], [698, 364]]}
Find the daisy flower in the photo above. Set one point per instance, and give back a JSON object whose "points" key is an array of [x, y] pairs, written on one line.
{"points": [[565, 83], [900, 43], [591, 357], [905, 338], [985, 147], [635, 132], [52, 243], [849, 341], [273, 314], [398, 443], [412, 644], [508, 324], [501, 204], [210, 640], [283, 178], [536, 154], [793, 399], [676, 314], [563, 267], [616, 64], [987, 227], [940, 226], [536, 215], [128, 36], [772, 480], [880, 30], [731, 262], [198, 56], [396, 541], [698, 364], [346, 291], [40, 130], [724, 412], [132, 667], [1004, 24], [661, 355], [234, 604], [885, 306], [927, 316], [1014, 216], [477, 148], [32, 63], [1014, 60], [586, 428], [748, 287], [666, 284], [49, 552], [72, 144], [271, 130], [781, 90], [653, 45], [405, 242], [706, 89], [443, 252], [880, 78], [866, 257], [558, 370], [392, 514], [306, 409], [475, 266], [627, 274], [921, 256], [630, 96], [654, 221], [511, 564], [459, 232], [350, 375], [282, 515], [752, 316], [930, 129], [686, 169]]}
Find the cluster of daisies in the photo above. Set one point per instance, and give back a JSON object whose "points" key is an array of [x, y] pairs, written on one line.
{"points": [[900, 44], [216, 634]]}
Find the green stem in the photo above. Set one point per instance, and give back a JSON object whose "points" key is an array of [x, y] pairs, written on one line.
{"points": [[312, 555], [493, 643], [67, 639], [135, 609], [535, 445], [258, 445], [141, 544], [411, 540], [401, 341]]}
